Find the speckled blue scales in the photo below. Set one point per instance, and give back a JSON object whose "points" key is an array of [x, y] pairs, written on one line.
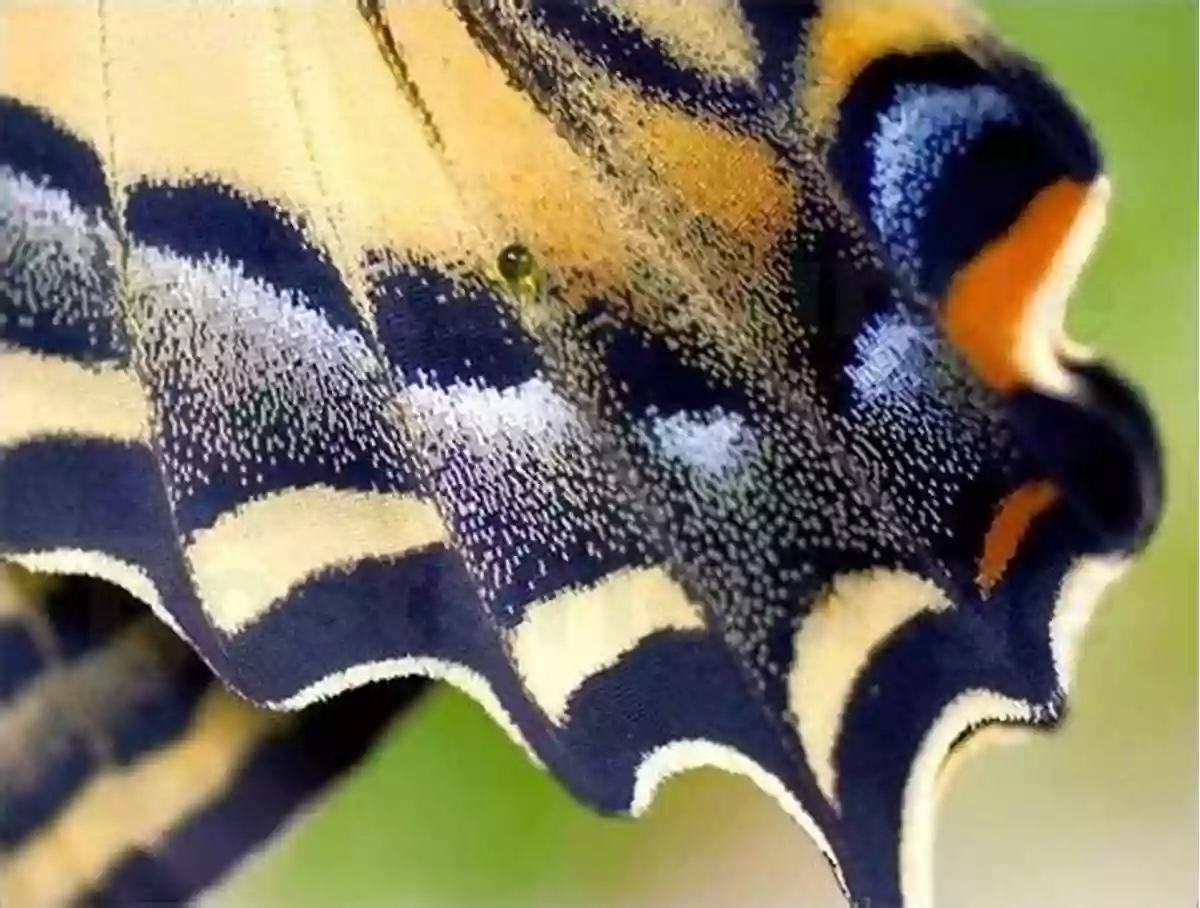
{"points": [[771, 456]]}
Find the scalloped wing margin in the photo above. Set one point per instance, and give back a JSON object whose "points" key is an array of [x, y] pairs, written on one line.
{"points": [[269, 388]]}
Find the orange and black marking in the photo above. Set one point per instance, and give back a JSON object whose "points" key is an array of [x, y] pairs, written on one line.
{"points": [[679, 381]]}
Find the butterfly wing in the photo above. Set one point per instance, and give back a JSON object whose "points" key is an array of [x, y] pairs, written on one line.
{"points": [[128, 774], [772, 460]]}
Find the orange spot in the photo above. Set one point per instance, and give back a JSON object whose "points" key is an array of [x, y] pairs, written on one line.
{"points": [[1013, 519], [990, 300]]}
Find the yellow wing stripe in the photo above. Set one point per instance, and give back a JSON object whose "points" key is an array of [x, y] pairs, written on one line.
{"points": [[851, 34], [566, 639], [52, 59], [252, 556], [710, 36], [836, 642], [383, 182], [122, 810], [309, 118], [45, 396], [733, 180], [528, 184]]}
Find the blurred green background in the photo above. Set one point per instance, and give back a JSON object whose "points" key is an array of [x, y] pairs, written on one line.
{"points": [[448, 812]]}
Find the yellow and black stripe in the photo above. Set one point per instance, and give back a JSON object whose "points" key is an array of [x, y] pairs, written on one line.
{"points": [[684, 382], [128, 773]]}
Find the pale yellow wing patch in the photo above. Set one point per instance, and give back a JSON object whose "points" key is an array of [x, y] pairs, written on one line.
{"points": [[566, 639], [45, 396], [127, 808], [710, 36], [835, 643], [849, 35], [254, 554]]}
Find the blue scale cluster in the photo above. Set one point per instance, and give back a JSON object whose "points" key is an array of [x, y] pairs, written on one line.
{"points": [[58, 250], [531, 515]]}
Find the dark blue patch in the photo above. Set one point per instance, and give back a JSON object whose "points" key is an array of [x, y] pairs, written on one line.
{"points": [[833, 291], [679, 686], [779, 30], [646, 376], [429, 327], [37, 146], [421, 604], [360, 465], [21, 661], [208, 220], [967, 522], [63, 493], [1063, 131], [84, 615], [576, 562], [141, 879], [45, 784], [544, 553], [1000, 174], [984, 185], [851, 154], [642, 60], [74, 316], [1102, 451], [1000, 644]]}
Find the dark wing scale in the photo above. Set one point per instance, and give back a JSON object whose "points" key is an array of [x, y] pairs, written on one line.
{"points": [[764, 468], [910, 403]]}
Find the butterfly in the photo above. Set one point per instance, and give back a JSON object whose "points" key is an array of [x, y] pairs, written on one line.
{"points": [[685, 382]]}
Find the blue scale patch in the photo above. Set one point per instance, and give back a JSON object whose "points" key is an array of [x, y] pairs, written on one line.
{"points": [[508, 457], [917, 134], [58, 249], [207, 220], [531, 531], [255, 391], [834, 289]]}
